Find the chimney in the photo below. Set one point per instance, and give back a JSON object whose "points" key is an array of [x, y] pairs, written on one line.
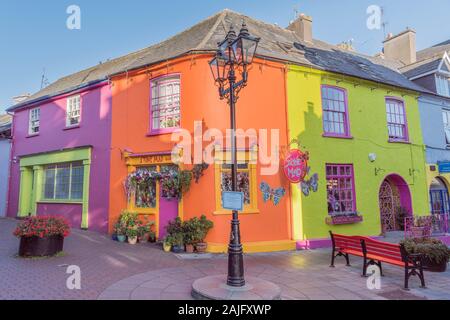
{"points": [[21, 98], [401, 47], [302, 27]]}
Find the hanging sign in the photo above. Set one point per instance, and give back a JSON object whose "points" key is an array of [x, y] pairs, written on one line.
{"points": [[444, 167], [296, 166], [233, 200]]}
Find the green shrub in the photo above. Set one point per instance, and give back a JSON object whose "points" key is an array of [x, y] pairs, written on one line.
{"points": [[433, 249]]}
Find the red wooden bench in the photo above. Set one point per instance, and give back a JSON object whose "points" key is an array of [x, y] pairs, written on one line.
{"points": [[375, 253], [345, 246]]}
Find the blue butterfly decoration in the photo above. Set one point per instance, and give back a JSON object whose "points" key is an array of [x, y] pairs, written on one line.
{"points": [[272, 194], [310, 185]]}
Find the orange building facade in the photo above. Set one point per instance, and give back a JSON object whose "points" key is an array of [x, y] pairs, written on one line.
{"points": [[142, 140]]}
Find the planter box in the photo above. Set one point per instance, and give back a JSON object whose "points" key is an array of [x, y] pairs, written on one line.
{"points": [[431, 266], [40, 247], [341, 220]]}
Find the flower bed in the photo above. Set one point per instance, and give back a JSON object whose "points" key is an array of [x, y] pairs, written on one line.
{"points": [[42, 236]]}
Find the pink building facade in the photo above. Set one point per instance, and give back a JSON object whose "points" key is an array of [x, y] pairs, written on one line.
{"points": [[61, 157]]}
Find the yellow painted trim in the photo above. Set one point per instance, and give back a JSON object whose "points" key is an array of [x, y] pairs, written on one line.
{"points": [[256, 247], [243, 157]]}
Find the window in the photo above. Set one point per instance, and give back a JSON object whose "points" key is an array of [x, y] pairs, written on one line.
{"points": [[34, 121], [443, 85], [145, 197], [396, 119], [335, 113], [246, 179], [446, 119], [340, 189], [73, 111], [64, 181], [165, 104]]}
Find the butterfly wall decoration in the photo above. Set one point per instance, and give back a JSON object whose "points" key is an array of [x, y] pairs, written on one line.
{"points": [[272, 194], [310, 185]]}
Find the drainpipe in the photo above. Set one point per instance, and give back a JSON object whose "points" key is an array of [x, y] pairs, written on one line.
{"points": [[11, 153]]}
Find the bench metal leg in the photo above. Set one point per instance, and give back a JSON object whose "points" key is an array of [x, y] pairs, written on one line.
{"points": [[407, 279], [347, 258]]}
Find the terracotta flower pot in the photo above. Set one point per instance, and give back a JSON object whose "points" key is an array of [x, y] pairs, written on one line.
{"points": [[40, 247], [132, 240], [144, 238], [190, 248], [432, 266], [201, 247]]}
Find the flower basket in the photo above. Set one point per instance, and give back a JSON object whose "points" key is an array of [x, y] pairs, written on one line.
{"points": [[42, 236], [342, 220]]}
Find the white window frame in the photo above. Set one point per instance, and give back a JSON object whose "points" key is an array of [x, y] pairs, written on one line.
{"points": [[446, 121], [34, 118], [73, 111], [443, 85]]}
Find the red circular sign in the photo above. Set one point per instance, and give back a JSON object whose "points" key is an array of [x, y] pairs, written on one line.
{"points": [[296, 166]]}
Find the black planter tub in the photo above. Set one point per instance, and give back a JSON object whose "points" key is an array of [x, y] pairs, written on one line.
{"points": [[432, 266], [40, 247]]}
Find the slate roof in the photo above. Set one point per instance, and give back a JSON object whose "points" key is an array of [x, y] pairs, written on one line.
{"points": [[276, 43], [428, 60], [5, 124]]}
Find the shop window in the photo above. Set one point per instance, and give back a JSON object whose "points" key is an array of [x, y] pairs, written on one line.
{"points": [[73, 111], [165, 104], [145, 197], [34, 121], [396, 120], [64, 182], [246, 181], [335, 112], [340, 189]]}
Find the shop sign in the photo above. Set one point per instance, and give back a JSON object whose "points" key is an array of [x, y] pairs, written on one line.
{"points": [[296, 166]]}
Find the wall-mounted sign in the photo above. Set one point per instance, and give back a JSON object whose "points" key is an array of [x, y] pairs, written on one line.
{"points": [[296, 166], [233, 200], [444, 167]]}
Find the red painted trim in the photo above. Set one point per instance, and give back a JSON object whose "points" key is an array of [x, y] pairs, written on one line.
{"points": [[347, 134], [155, 132]]}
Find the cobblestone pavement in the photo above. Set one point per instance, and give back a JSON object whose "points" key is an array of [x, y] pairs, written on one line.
{"points": [[112, 270]]}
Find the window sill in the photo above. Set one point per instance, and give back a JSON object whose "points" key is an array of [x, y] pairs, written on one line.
{"points": [[162, 132], [229, 212], [342, 220], [32, 135], [399, 141], [72, 127], [337, 136], [60, 201]]}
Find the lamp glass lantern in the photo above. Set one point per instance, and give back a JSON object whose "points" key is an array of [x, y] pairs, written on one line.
{"points": [[244, 49], [219, 68]]}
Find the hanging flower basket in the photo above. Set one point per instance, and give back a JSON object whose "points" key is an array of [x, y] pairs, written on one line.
{"points": [[42, 236]]}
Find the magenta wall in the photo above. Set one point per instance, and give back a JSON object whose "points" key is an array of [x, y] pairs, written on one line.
{"points": [[94, 130], [72, 212]]}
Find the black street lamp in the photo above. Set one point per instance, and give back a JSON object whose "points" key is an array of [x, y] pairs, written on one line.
{"points": [[234, 55]]}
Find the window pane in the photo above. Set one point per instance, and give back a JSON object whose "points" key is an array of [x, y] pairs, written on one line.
{"points": [[62, 182], [334, 111], [145, 197], [243, 184], [165, 106], [340, 188], [76, 190], [49, 183]]}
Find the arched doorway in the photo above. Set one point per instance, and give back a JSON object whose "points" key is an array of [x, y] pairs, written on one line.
{"points": [[439, 197], [395, 202]]}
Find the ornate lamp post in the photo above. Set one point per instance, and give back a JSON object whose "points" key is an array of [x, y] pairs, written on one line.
{"points": [[234, 55]]}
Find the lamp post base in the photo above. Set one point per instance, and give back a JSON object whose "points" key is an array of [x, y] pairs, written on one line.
{"points": [[215, 288]]}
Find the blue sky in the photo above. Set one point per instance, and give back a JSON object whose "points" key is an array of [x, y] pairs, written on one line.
{"points": [[33, 34]]}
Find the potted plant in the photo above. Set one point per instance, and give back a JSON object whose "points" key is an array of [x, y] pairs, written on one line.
{"points": [[435, 253], [190, 228], [42, 236], [145, 231], [132, 234], [120, 232], [167, 244], [177, 243], [205, 226]]}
